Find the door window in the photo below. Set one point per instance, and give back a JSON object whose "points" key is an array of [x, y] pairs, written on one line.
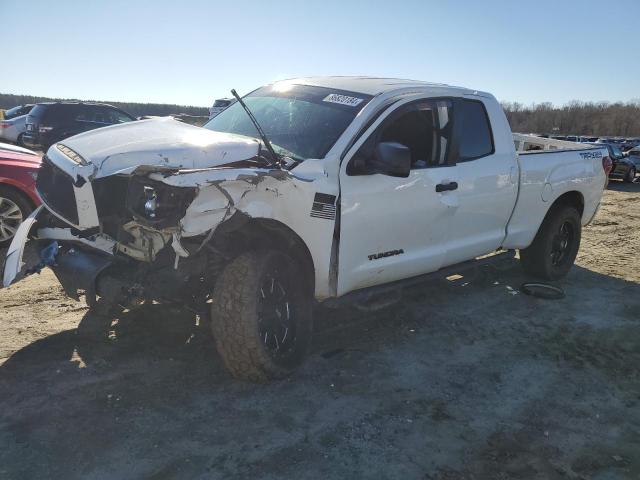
{"points": [[474, 130], [87, 113], [424, 127], [116, 116]]}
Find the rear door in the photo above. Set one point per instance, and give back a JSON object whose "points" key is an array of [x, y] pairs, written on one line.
{"points": [[393, 228], [65, 119], [487, 176]]}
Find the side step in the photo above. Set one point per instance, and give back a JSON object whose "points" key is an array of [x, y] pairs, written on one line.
{"points": [[366, 295]]}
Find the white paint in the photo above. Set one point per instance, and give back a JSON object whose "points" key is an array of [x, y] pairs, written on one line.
{"points": [[565, 171], [87, 213], [382, 214], [163, 143], [485, 192], [99, 242], [13, 263]]}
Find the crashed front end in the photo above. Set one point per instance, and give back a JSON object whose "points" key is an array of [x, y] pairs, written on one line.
{"points": [[136, 224]]}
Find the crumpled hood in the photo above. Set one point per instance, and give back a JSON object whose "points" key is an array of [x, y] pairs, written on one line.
{"points": [[161, 142]]}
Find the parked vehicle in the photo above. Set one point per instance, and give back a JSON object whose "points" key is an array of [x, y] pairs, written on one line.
{"points": [[629, 143], [49, 123], [633, 156], [352, 187], [13, 126], [219, 105], [18, 197], [623, 168]]}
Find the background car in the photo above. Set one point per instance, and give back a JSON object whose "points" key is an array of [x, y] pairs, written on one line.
{"points": [[48, 123], [219, 105], [18, 197], [630, 143], [13, 126], [633, 156], [623, 168]]}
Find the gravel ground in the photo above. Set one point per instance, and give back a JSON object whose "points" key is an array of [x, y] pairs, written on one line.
{"points": [[463, 379]]}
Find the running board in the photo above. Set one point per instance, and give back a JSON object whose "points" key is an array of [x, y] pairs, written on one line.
{"points": [[364, 295]]}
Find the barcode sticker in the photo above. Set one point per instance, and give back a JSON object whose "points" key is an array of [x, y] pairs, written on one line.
{"points": [[342, 99]]}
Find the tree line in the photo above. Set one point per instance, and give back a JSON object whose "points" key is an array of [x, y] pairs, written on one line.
{"points": [[576, 118], [8, 100]]}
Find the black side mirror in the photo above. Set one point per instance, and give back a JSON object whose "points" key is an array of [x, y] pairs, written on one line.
{"points": [[391, 158]]}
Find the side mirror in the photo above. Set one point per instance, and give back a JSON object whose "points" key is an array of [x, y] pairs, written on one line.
{"points": [[391, 158]]}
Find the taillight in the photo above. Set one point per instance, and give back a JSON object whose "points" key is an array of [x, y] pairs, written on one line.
{"points": [[5, 124], [607, 165]]}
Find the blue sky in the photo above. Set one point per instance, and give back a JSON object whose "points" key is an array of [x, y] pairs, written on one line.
{"points": [[191, 52]]}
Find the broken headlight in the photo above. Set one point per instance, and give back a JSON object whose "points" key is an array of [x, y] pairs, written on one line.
{"points": [[157, 204]]}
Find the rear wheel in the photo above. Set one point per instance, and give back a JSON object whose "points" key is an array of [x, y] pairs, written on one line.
{"points": [[20, 140], [554, 249], [631, 175], [261, 315], [14, 208]]}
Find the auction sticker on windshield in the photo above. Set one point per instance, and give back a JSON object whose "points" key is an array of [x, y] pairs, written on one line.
{"points": [[343, 99]]}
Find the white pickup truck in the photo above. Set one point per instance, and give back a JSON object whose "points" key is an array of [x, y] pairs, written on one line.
{"points": [[353, 184]]}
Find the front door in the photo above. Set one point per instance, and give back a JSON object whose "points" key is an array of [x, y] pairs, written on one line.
{"points": [[393, 228]]}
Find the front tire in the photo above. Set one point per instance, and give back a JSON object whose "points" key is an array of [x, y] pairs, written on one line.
{"points": [[261, 316], [555, 246], [14, 208]]}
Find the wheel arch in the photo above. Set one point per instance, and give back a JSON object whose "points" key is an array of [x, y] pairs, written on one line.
{"points": [[19, 191], [572, 198], [242, 232]]}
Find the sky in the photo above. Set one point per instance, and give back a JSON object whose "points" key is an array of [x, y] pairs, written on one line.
{"points": [[191, 52]]}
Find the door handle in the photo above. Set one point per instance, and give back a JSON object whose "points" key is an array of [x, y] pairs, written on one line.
{"points": [[445, 187]]}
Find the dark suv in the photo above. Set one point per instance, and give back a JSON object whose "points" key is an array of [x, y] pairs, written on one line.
{"points": [[623, 168], [48, 123]]}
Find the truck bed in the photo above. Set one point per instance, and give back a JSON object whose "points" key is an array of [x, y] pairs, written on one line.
{"points": [[548, 173]]}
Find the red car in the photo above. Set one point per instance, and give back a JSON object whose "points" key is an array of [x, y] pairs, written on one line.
{"points": [[18, 197]]}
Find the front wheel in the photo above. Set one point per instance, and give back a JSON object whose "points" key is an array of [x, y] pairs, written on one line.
{"points": [[14, 208], [261, 315], [630, 176], [555, 246]]}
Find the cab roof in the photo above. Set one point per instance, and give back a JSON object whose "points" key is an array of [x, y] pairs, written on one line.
{"points": [[372, 85]]}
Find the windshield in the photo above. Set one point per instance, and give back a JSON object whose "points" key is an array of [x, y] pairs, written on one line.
{"points": [[300, 121]]}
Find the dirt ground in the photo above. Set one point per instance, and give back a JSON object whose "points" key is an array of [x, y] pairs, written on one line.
{"points": [[464, 379]]}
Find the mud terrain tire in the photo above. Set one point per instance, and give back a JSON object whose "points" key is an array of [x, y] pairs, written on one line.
{"points": [[555, 246], [261, 316]]}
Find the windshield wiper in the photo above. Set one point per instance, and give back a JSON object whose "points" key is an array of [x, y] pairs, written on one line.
{"points": [[278, 161]]}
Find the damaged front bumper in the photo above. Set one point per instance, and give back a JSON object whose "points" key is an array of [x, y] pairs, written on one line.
{"points": [[77, 269], [14, 264], [93, 266]]}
